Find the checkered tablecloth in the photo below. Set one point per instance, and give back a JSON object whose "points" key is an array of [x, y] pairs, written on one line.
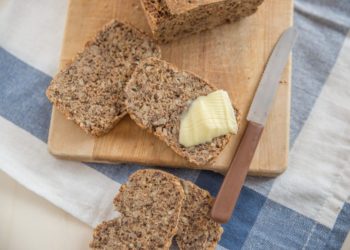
{"points": [[307, 207]]}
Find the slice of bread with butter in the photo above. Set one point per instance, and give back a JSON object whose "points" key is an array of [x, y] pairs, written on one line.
{"points": [[158, 95]]}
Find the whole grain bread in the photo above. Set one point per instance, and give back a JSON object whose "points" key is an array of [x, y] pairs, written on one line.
{"points": [[150, 205], [173, 19], [196, 229], [90, 90], [156, 96]]}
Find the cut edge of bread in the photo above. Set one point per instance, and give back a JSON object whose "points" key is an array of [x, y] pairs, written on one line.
{"points": [[218, 229], [176, 182], [98, 231], [92, 39]]}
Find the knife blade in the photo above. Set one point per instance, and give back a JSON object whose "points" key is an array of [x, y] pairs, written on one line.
{"points": [[229, 191], [267, 88]]}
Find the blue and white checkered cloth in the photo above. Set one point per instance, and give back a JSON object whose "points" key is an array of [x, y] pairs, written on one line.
{"points": [[307, 207]]}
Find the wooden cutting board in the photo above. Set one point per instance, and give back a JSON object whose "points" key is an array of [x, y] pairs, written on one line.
{"points": [[232, 57]]}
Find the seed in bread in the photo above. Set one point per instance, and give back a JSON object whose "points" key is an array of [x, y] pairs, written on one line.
{"points": [[156, 96], [196, 229], [150, 205], [90, 90], [173, 19]]}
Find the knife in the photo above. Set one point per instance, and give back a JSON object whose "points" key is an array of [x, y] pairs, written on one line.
{"points": [[257, 116]]}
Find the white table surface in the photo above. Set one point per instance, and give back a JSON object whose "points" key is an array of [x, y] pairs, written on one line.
{"points": [[29, 222]]}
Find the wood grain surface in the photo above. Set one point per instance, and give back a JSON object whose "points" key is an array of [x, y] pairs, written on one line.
{"points": [[231, 57]]}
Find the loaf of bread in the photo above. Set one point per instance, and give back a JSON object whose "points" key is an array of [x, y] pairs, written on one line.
{"points": [[172, 19], [156, 96], [196, 229], [150, 205], [90, 90]]}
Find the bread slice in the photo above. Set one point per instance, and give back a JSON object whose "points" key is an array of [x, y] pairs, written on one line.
{"points": [[156, 96], [173, 19], [150, 205], [196, 229], [89, 90]]}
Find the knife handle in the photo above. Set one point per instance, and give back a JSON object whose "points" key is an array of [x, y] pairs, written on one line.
{"points": [[236, 174]]}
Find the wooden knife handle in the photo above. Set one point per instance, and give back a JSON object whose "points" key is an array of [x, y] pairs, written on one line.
{"points": [[237, 172]]}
